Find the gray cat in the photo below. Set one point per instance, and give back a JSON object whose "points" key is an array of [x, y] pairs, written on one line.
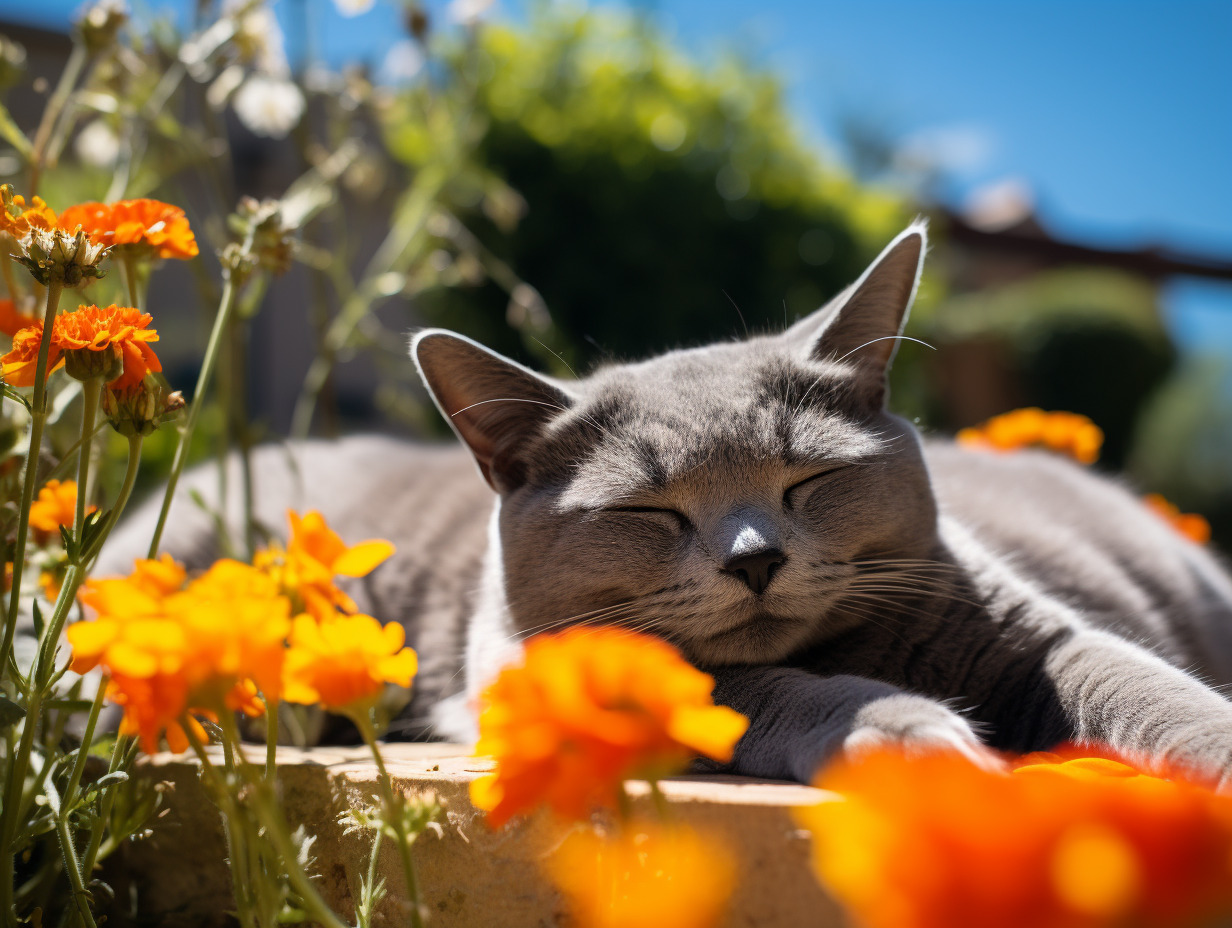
{"points": [[847, 584]]}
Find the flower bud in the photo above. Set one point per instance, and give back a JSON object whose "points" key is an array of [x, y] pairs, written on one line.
{"points": [[100, 24], [141, 408], [87, 363]]}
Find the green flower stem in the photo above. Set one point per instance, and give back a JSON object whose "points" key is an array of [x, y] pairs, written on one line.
{"points": [[262, 800], [408, 223], [392, 816], [81, 895], [126, 490], [77, 61], [38, 418], [232, 825], [118, 750], [131, 272], [69, 795], [271, 739], [226, 303], [91, 392]]}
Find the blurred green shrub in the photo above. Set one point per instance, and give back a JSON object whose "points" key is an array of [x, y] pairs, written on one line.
{"points": [[652, 193]]}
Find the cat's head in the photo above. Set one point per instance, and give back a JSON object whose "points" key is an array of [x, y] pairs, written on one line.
{"points": [[724, 497]]}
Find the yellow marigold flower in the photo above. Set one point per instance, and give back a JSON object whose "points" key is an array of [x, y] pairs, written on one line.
{"points": [[1064, 432], [587, 709], [56, 505], [344, 661], [315, 555], [169, 651], [934, 842], [1191, 525], [648, 875], [12, 321], [159, 228], [112, 341]]}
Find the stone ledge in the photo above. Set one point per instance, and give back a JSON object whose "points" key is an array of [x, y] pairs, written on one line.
{"points": [[471, 876]]}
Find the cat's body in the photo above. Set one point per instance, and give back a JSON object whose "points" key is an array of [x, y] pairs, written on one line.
{"points": [[753, 503]]}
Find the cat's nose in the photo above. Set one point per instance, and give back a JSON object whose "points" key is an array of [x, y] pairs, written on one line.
{"points": [[756, 568]]}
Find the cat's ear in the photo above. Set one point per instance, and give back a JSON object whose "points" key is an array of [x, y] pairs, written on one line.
{"points": [[495, 405], [862, 324]]}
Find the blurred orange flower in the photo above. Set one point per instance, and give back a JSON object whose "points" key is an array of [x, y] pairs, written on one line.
{"points": [[85, 335], [343, 662], [56, 505], [648, 875], [151, 224], [1191, 525], [315, 555], [206, 648], [1063, 432], [934, 842], [12, 321], [587, 709]]}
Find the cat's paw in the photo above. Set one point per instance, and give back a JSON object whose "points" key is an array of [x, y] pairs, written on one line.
{"points": [[1203, 757], [917, 726]]}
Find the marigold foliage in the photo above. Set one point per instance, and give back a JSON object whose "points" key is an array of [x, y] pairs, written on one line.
{"points": [[587, 709], [1191, 525], [90, 330], [159, 227], [1063, 432], [649, 875], [934, 842]]}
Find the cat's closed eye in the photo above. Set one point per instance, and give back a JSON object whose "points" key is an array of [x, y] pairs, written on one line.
{"points": [[662, 514], [795, 495]]}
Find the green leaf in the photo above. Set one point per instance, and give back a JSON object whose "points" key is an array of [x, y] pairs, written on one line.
{"points": [[10, 712], [13, 394], [38, 619]]}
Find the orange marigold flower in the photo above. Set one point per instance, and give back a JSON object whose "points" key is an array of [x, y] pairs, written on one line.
{"points": [[91, 338], [587, 709], [1064, 432], [1191, 525], [151, 224], [345, 661], [315, 555], [934, 842], [204, 648], [12, 321], [17, 219], [649, 875], [56, 505]]}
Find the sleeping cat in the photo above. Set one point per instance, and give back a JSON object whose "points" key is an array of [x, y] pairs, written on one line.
{"points": [[755, 504]]}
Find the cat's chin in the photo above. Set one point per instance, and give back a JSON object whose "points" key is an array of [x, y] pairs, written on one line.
{"points": [[762, 638]]}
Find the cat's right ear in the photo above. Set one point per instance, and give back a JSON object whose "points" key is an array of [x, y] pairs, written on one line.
{"points": [[493, 404]]}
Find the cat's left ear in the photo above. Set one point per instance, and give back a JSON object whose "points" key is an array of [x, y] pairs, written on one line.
{"points": [[861, 325]]}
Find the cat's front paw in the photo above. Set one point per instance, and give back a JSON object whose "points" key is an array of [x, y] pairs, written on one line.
{"points": [[1203, 757], [917, 726]]}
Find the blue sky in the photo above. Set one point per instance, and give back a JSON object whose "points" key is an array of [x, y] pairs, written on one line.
{"points": [[1118, 115]]}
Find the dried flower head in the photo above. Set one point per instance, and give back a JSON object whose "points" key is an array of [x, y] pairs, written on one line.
{"points": [[587, 709], [69, 258]]}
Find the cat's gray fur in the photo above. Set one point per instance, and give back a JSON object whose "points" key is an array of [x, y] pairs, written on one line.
{"points": [[920, 594]]}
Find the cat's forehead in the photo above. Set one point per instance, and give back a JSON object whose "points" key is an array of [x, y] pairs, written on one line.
{"points": [[702, 413]]}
